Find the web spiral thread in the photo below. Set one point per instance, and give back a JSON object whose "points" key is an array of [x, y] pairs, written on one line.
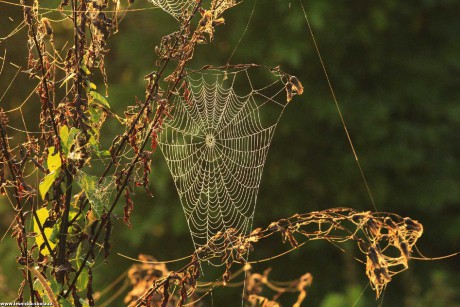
{"points": [[216, 145]]}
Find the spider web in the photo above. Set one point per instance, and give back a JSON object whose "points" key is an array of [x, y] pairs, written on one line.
{"points": [[98, 193], [178, 8], [216, 144], [174, 7]]}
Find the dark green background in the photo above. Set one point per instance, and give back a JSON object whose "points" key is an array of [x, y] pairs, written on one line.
{"points": [[395, 69]]}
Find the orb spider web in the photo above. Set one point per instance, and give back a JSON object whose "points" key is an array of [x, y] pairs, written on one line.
{"points": [[178, 8], [173, 7], [216, 144]]}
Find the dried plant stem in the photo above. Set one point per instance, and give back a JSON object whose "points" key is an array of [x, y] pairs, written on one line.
{"points": [[153, 126], [378, 236], [49, 104], [148, 100], [45, 285], [64, 228], [22, 219]]}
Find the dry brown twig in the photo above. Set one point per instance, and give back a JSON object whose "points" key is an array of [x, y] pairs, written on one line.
{"points": [[386, 240]]}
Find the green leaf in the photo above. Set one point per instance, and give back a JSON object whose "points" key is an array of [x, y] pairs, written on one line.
{"points": [[93, 141], [79, 255], [38, 287], [43, 214], [55, 233], [55, 286], [54, 160], [65, 303], [70, 76], [46, 184], [85, 69], [95, 114], [54, 166], [82, 280], [103, 153], [48, 181], [91, 85], [73, 213], [67, 137], [84, 303], [100, 99], [64, 134]]}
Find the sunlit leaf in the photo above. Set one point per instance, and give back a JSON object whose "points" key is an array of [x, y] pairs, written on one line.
{"points": [[84, 303], [64, 134], [54, 160], [43, 214], [103, 153], [91, 85], [54, 166], [47, 182], [82, 280], [70, 76], [93, 141], [38, 287], [79, 255], [67, 137], [85, 69], [74, 213], [100, 99]]}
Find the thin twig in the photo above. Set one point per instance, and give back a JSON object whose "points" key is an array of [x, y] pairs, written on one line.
{"points": [[45, 285]]}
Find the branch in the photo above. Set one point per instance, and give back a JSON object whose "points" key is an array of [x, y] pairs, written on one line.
{"points": [[386, 240], [24, 250], [64, 228], [49, 105], [45, 285], [158, 115], [148, 100]]}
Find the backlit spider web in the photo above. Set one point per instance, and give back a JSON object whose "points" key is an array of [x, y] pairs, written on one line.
{"points": [[178, 7], [216, 144], [174, 7]]}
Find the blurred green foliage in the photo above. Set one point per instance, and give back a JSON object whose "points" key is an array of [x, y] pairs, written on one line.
{"points": [[395, 69]]}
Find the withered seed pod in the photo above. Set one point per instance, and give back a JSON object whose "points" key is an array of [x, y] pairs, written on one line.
{"points": [[412, 225], [47, 26], [297, 85]]}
